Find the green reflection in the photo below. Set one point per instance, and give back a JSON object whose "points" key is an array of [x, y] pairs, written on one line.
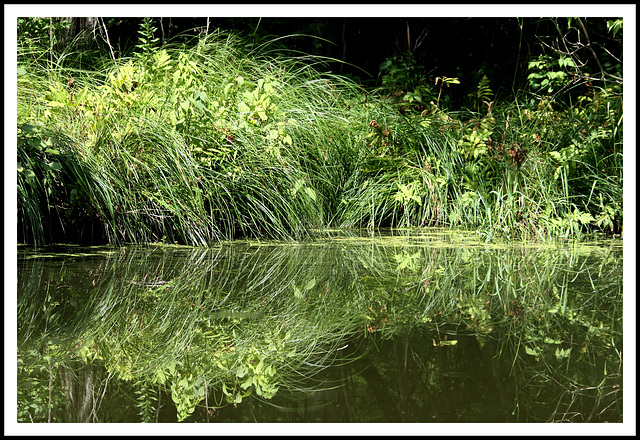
{"points": [[163, 333]]}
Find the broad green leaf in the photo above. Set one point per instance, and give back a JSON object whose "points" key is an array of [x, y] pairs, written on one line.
{"points": [[385, 65], [531, 351], [35, 142], [248, 97], [247, 383], [548, 340]]}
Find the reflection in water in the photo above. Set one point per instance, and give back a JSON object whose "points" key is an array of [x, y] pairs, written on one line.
{"points": [[400, 327]]}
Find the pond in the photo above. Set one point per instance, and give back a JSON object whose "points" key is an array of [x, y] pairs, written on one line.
{"points": [[428, 326]]}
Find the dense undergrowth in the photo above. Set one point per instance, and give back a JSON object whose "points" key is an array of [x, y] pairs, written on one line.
{"points": [[208, 141]]}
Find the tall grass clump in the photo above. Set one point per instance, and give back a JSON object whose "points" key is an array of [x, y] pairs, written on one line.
{"points": [[191, 144]]}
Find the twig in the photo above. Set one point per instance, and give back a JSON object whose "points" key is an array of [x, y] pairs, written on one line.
{"points": [[421, 38], [106, 35], [50, 384], [593, 52], [51, 42], [95, 410]]}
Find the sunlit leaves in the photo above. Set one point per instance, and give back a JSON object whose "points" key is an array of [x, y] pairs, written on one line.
{"points": [[614, 26]]}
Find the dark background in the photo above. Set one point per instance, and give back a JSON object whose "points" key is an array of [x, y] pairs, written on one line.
{"points": [[466, 48], [459, 47]]}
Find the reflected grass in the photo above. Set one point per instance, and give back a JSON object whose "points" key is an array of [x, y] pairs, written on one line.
{"points": [[215, 326]]}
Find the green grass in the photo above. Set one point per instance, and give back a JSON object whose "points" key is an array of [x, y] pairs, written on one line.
{"points": [[207, 141]]}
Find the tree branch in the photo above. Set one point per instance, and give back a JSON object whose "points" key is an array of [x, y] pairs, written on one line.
{"points": [[593, 52]]}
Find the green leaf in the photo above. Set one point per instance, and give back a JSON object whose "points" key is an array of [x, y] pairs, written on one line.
{"points": [[614, 26], [259, 367], [242, 370], [56, 104], [163, 59], [562, 353], [447, 342], [385, 65], [248, 97], [247, 383], [35, 143], [28, 384], [243, 108], [311, 284], [531, 351]]}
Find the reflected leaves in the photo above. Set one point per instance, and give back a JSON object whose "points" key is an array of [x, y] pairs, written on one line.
{"points": [[214, 326]]}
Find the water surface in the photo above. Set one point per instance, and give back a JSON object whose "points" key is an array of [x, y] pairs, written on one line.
{"points": [[391, 326]]}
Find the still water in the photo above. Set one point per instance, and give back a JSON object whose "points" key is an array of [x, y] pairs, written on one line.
{"points": [[385, 326]]}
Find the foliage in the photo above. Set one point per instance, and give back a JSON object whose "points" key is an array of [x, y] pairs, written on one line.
{"points": [[204, 141], [146, 38], [548, 75], [37, 400], [405, 80], [571, 62], [40, 33], [483, 94]]}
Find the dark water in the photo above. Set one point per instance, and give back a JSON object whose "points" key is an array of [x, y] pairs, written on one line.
{"points": [[422, 326]]}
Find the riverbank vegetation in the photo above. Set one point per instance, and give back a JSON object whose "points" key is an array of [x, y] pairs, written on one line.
{"points": [[209, 138]]}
